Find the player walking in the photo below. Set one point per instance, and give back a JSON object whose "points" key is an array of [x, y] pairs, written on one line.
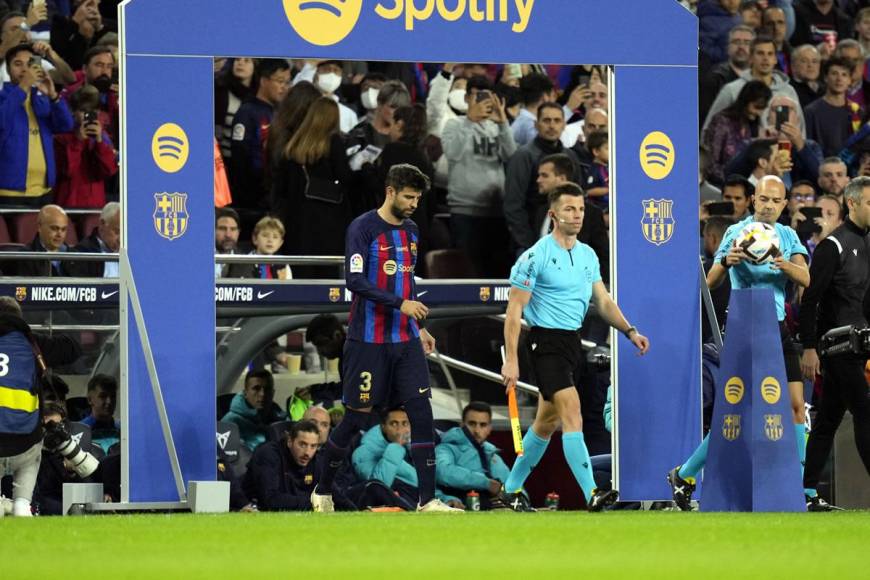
{"points": [[384, 364], [551, 286]]}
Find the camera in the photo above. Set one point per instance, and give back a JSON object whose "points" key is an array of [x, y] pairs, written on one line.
{"points": [[845, 340], [89, 117], [58, 440]]}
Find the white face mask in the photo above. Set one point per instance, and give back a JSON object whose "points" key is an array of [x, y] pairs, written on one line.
{"points": [[456, 99], [370, 99], [329, 82]]}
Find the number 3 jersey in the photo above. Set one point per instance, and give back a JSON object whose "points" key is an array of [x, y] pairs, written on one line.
{"points": [[380, 259]]}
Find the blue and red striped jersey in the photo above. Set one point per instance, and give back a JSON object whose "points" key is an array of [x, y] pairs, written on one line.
{"points": [[379, 263]]}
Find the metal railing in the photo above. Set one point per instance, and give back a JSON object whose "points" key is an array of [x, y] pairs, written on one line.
{"points": [[218, 258]]}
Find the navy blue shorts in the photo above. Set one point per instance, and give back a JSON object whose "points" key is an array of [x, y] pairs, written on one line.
{"points": [[383, 375]]}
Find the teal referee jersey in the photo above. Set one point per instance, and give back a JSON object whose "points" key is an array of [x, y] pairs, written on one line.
{"points": [[560, 281]]}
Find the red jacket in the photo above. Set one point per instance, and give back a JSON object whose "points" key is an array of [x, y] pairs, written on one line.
{"points": [[82, 167]]}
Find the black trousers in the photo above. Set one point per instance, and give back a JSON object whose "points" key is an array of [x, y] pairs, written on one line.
{"points": [[845, 387]]}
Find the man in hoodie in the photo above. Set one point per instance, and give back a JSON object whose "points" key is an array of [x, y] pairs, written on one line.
{"points": [[466, 461], [253, 410], [477, 147], [383, 456], [715, 19], [762, 67]]}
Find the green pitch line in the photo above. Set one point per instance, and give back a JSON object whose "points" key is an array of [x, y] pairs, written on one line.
{"points": [[415, 546]]}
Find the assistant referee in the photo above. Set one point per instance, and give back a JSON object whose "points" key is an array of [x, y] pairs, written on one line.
{"points": [[552, 284]]}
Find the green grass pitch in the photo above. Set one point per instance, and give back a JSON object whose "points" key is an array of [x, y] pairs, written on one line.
{"points": [[415, 546]]}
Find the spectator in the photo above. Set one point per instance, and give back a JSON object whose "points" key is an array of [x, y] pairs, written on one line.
{"points": [[369, 89], [535, 89], [383, 456], [739, 40], [466, 461], [286, 121], [523, 207], [818, 21], [762, 67], [853, 53], [773, 22], [805, 154], [250, 135], [234, 85], [104, 239], [738, 191], [97, 72], [731, 130], [85, 158], [226, 237], [51, 225], [310, 189], [477, 146], [596, 175], [764, 159], [862, 28], [32, 113], [407, 133], [102, 398], [328, 80], [375, 132], [708, 191], [20, 425], [446, 101], [253, 410], [554, 170], [831, 219], [15, 30], [72, 36], [320, 417], [714, 231], [268, 238], [715, 20], [595, 120], [801, 195], [282, 474], [751, 14], [833, 177], [805, 71]]}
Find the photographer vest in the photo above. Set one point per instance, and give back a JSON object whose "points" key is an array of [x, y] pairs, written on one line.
{"points": [[19, 403]]}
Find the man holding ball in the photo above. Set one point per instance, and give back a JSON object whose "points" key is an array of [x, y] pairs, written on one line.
{"points": [[789, 265]]}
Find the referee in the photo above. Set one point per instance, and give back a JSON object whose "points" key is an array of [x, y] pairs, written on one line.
{"points": [[551, 286], [840, 274]]}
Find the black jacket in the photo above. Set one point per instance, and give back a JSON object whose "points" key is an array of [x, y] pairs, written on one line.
{"points": [[39, 268], [89, 245], [277, 482], [839, 280]]}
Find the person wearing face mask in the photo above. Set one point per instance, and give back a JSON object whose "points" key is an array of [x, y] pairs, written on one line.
{"points": [[376, 131], [369, 88], [446, 101], [328, 79]]}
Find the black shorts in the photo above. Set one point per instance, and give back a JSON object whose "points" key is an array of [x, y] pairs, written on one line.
{"points": [[556, 354], [792, 353], [383, 375]]}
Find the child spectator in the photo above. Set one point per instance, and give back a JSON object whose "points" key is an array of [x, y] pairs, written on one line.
{"points": [[268, 238], [596, 176]]}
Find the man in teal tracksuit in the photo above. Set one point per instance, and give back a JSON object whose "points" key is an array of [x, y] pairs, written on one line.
{"points": [[253, 410], [466, 461], [383, 456]]}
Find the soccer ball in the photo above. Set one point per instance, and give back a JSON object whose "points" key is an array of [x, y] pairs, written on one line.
{"points": [[759, 241]]}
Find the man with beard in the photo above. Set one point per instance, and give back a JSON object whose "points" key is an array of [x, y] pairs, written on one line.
{"points": [[99, 63], [226, 237]]}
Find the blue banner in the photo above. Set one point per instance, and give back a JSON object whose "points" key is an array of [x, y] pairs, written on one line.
{"points": [[593, 31], [656, 280], [752, 461], [169, 240]]}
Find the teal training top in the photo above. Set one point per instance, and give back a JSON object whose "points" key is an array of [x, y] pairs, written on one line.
{"points": [[560, 281], [749, 275]]}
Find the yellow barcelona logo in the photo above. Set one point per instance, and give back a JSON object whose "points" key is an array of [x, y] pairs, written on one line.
{"points": [[170, 214], [21, 293], [485, 293], [658, 220], [773, 427], [334, 294], [731, 427]]}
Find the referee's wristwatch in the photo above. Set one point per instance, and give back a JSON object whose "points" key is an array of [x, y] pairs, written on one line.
{"points": [[627, 332], [724, 262]]}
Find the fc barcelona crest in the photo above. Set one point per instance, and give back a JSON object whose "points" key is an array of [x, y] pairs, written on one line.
{"points": [[170, 214], [658, 220], [731, 427], [21, 293], [485, 293], [334, 294], [773, 427]]}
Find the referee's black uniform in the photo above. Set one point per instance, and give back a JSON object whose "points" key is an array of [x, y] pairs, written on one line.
{"points": [[837, 296]]}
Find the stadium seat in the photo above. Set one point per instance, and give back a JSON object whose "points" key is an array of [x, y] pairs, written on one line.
{"points": [[277, 430], [72, 237], [24, 227], [87, 222], [223, 404], [4, 231], [453, 263]]}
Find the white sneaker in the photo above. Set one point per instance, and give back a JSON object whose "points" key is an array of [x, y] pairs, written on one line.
{"points": [[436, 505], [5, 506], [21, 509], [321, 503]]}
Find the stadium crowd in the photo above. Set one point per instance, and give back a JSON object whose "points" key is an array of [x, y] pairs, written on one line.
{"points": [[303, 146]]}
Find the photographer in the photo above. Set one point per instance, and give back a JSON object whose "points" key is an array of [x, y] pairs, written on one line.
{"points": [[85, 158], [21, 366], [840, 277]]}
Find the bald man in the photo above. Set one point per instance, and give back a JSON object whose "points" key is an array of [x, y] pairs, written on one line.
{"points": [[51, 223], [790, 266], [320, 417]]}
